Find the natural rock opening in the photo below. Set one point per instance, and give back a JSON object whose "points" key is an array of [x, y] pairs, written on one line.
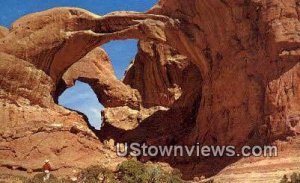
{"points": [[121, 54], [82, 98], [169, 84]]}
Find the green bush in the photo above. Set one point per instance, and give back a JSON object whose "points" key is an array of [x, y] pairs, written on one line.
{"points": [[97, 174], [133, 171]]}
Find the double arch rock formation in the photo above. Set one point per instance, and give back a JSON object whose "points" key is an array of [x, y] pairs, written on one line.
{"points": [[207, 71], [43, 54]]}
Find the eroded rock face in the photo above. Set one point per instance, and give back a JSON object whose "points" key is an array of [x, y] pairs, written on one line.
{"points": [[237, 83], [158, 74], [243, 45], [250, 93], [35, 88]]}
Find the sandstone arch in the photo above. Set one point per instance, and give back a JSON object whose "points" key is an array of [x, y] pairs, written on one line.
{"points": [[96, 69], [55, 39], [50, 40]]}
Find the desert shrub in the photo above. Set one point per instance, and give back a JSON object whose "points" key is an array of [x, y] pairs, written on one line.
{"points": [[175, 176], [165, 177], [96, 174], [133, 171], [154, 173]]}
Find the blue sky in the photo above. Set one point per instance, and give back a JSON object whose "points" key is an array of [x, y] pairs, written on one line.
{"points": [[81, 97]]}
